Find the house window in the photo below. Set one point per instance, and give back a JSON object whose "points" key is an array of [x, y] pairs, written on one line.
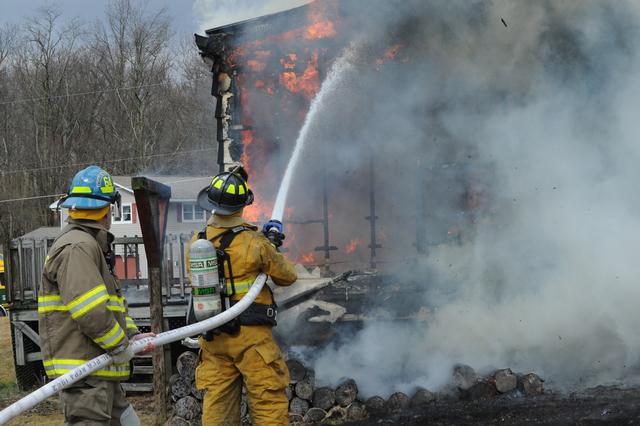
{"points": [[125, 216], [192, 213]]}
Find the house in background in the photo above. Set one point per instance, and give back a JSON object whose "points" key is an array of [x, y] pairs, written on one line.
{"points": [[183, 219]]}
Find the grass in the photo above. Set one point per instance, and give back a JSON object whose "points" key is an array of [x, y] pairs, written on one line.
{"points": [[8, 388], [7, 373]]}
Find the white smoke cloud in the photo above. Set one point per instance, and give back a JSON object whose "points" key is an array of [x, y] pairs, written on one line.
{"points": [[549, 281], [214, 13]]}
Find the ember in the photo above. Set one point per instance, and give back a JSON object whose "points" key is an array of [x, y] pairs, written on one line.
{"points": [[308, 258], [353, 245]]}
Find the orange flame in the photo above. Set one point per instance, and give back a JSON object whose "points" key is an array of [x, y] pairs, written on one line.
{"points": [[352, 245], [289, 61], [320, 27], [308, 258], [256, 66], [392, 52], [389, 55], [260, 210], [308, 83], [319, 30], [262, 54]]}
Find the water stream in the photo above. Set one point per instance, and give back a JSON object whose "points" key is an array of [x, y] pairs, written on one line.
{"points": [[319, 103]]}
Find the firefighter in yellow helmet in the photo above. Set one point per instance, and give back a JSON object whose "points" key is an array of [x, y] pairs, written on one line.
{"points": [[243, 351], [82, 313]]}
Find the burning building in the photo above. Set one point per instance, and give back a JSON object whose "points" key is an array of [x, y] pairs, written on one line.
{"points": [[266, 72], [464, 148]]}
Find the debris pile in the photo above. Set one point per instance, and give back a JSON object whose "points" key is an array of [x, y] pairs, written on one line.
{"points": [[311, 404]]}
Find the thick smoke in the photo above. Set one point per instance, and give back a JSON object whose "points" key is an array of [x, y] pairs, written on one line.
{"points": [[521, 138], [214, 13]]}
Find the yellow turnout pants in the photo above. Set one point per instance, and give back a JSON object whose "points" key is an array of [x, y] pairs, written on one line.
{"points": [[253, 357]]}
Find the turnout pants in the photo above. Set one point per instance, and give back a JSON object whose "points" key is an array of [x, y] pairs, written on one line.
{"points": [[252, 357], [93, 402]]}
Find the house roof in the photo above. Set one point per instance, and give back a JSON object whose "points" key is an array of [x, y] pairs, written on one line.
{"points": [[44, 232], [183, 188]]}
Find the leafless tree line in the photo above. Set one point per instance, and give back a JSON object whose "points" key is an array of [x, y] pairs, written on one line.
{"points": [[124, 93]]}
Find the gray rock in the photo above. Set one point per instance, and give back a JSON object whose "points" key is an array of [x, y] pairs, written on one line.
{"points": [[464, 376], [337, 413], [290, 392], [295, 419], [197, 393], [323, 398], [397, 402], [310, 377], [186, 365], [448, 393], [505, 380], [244, 406], [421, 398], [173, 379], [481, 390], [297, 371], [315, 415], [346, 393], [531, 384], [375, 405], [298, 406], [304, 390], [356, 411], [180, 388], [187, 408], [177, 421]]}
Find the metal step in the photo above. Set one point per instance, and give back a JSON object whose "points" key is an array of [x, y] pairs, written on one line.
{"points": [[137, 387], [143, 369], [145, 356]]}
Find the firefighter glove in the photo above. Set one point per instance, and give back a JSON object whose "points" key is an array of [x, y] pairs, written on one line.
{"points": [[269, 226], [124, 356]]}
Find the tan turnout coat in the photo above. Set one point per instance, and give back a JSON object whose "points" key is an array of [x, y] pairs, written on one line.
{"points": [[82, 312]]}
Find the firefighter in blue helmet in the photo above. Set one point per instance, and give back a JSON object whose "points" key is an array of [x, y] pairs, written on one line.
{"points": [[82, 312]]}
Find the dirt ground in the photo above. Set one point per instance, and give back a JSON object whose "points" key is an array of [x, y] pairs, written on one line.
{"points": [[48, 412], [602, 405]]}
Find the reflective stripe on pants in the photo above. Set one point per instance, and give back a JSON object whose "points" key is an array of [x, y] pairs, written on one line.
{"points": [[253, 357]]}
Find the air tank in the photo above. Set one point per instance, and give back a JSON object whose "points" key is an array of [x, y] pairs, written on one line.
{"points": [[205, 282]]}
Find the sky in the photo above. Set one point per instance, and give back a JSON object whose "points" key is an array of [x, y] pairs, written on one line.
{"points": [[14, 11], [188, 16]]}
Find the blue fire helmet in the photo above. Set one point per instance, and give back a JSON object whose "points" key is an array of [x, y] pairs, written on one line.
{"points": [[91, 189]]}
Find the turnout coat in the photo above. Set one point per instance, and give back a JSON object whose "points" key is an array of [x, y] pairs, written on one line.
{"points": [[82, 312]]}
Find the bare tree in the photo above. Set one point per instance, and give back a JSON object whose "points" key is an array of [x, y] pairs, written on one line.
{"points": [[7, 41], [133, 58], [121, 93]]}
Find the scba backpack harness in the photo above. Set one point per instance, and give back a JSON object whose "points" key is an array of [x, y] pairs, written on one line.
{"points": [[256, 313]]}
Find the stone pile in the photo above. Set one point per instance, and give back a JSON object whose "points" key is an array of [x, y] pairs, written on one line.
{"points": [[310, 404]]}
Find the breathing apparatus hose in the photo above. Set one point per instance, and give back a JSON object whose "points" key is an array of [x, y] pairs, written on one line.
{"points": [[97, 363]]}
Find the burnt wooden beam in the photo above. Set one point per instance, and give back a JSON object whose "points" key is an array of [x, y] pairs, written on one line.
{"points": [[372, 218], [421, 207], [327, 248], [152, 201]]}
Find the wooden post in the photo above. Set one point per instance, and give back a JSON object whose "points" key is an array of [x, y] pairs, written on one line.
{"points": [[327, 248], [372, 218], [152, 201]]}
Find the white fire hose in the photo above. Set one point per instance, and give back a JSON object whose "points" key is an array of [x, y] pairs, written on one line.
{"points": [[97, 363]]}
